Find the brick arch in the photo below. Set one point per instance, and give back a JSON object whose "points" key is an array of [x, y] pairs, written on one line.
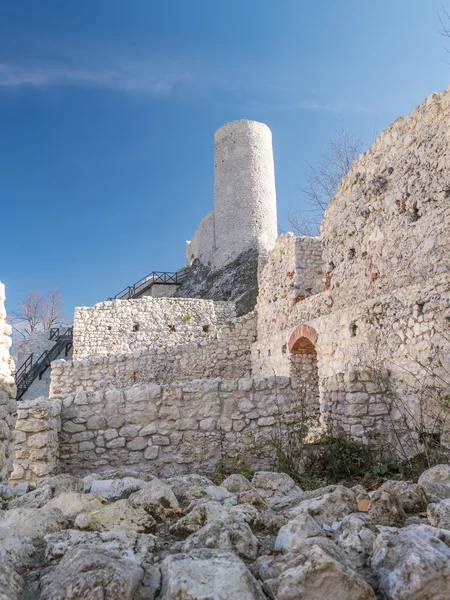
{"points": [[303, 340]]}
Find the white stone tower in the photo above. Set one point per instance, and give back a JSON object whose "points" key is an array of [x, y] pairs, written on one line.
{"points": [[245, 207], [245, 211]]}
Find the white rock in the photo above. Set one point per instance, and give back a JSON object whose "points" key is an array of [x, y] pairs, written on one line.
{"points": [[292, 535], [439, 514], [413, 563], [72, 504], [208, 574], [91, 573]]}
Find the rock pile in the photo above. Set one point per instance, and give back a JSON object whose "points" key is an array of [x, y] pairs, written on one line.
{"points": [[128, 536]]}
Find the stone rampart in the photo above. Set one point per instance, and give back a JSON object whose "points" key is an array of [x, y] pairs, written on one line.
{"points": [[7, 391], [167, 430], [227, 355], [120, 326]]}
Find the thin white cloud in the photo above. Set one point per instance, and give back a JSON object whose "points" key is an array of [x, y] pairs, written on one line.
{"points": [[156, 78]]}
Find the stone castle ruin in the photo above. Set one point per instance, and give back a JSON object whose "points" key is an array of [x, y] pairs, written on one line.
{"points": [[258, 327]]}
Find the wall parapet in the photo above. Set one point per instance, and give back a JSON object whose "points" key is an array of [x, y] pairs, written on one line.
{"points": [[122, 326], [226, 355]]}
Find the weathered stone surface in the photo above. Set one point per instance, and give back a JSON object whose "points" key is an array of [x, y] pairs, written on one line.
{"points": [[225, 534], [291, 536], [317, 569], [436, 483], [236, 483], [411, 496], [61, 483], [356, 535], [188, 488], [34, 523], [91, 573], [274, 484], [413, 563], [437, 474], [327, 507], [137, 547], [15, 550], [439, 514], [158, 499], [72, 504], [205, 573], [34, 499], [386, 508], [11, 584], [116, 489], [119, 515]]}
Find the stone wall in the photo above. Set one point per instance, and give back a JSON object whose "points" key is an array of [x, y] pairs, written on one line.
{"points": [[385, 304], [167, 430], [36, 443], [7, 391], [227, 355], [387, 226], [121, 326]]}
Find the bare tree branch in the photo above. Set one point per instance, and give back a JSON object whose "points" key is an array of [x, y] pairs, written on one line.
{"points": [[324, 178]]}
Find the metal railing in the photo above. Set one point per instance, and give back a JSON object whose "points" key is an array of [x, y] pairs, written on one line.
{"points": [[144, 284], [31, 368]]}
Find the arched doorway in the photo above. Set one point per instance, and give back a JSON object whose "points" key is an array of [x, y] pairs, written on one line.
{"points": [[304, 371]]}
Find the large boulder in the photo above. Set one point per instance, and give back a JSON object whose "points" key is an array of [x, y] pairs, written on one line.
{"points": [[437, 474], [356, 535], [16, 550], [91, 573], [278, 489], [411, 495], [119, 515], [236, 483], [436, 483], [116, 489], [190, 488], [413, 563], [439, 514], [34, 523], [11, 584], [137, 547], [61, 483], [157, 499], [327, 505], [207, 512], [292, 535], [234, 536], [72, 504], [208, 574], [385, 508], [317, 569], [35, 499]]}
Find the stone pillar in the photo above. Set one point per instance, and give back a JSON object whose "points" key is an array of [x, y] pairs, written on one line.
{"points": [[7, 391], [36, 443]]}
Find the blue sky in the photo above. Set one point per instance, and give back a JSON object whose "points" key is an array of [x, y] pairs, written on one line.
{"points": [[108, 111]]}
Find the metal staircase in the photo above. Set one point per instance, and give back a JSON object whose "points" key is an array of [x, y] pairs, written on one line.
{"points": [[36, 368], [154, 278]]}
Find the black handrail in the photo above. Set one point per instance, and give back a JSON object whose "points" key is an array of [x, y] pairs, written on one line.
{"points": [[36, 368], [144, 284]]}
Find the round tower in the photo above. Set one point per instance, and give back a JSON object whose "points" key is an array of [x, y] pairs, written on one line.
{"points": [[245, 208]]}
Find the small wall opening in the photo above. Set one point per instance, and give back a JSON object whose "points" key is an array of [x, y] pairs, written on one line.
{"points": [[304, 369], [192, 259]]}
